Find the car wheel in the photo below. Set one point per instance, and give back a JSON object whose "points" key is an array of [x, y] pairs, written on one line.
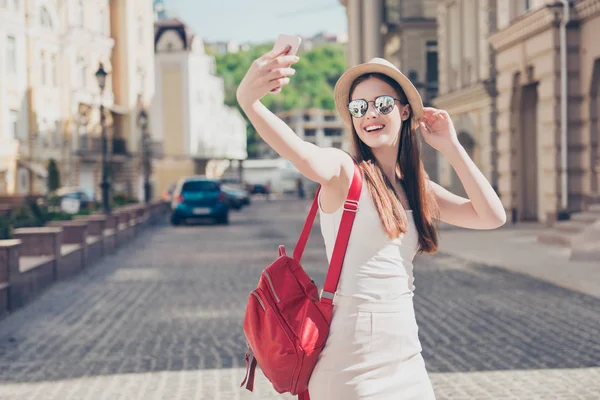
{"points": [[224, 220], [175, 221]]}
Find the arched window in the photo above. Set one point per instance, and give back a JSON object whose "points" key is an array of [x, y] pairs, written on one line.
{"points": [[45, 19], [79, 13], [467, 141]]}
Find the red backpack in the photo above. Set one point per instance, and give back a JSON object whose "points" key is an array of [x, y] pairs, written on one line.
{"points": [[287, 322]]}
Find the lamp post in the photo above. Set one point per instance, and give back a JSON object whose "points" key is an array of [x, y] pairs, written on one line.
{"points": [[104, 185], [145, 150]]}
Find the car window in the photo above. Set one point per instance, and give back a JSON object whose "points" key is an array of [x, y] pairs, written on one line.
{"points": [[200, 186]]}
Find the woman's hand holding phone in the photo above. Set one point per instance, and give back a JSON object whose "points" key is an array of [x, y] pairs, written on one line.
{"points": [[267, 74]]}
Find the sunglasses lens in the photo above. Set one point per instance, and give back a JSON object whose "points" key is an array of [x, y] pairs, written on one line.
{"points": [[384, 104], [357, 108]]}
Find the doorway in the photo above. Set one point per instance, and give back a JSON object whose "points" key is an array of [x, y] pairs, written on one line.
{"points": [[527, 148]]}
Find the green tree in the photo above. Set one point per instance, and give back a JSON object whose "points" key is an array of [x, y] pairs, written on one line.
{"points": [[312, 86], [53, 181]]}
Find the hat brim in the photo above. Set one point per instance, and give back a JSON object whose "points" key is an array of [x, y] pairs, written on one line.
{"points": [[341, 91]]}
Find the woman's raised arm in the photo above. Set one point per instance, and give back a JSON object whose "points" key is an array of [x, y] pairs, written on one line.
{"points": [[272, 72]]}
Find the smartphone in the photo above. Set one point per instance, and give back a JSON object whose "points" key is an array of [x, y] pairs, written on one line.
{"points": [[285, 40]]}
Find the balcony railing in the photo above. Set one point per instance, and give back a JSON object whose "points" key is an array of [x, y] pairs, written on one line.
{"points": [[92, 146]]}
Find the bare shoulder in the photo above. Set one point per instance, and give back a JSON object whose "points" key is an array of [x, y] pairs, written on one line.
{"points": [[334, 193]]}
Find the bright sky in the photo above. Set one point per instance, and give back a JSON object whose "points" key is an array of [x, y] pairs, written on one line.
{"points": [[259, 20]]}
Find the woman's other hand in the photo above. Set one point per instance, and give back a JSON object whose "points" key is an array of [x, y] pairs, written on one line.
{"points": [[438, 130], [267, 73]]}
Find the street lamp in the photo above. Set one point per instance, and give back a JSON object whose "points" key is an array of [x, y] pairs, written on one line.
{"points": [[143, 124], [105, 185]]}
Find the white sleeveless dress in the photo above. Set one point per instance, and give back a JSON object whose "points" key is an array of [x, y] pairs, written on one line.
{"points": [[373, 349]]}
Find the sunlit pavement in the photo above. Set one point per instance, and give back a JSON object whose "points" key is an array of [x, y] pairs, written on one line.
{"points": [[164, 322]]}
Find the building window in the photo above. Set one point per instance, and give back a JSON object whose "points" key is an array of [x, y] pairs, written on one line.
{"points": [[16, 6], [431, 69], [392, 12], [14, 124], [11, 55], [43, 72], [81, 68], [101, 22], [413, 76], [141, 81], [526, 5], [53, 71], [23, 180], [56, 137], [3, 4], [453, 45], [140, 31], [45, 19]]}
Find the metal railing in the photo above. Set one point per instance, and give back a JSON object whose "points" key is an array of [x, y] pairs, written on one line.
{"points": [[92, 145]]}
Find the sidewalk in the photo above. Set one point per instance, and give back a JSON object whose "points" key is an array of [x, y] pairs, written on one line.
{"points": [[515, 247]]}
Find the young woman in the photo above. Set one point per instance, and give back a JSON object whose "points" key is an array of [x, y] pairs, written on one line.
{"points": [[373, 350]]}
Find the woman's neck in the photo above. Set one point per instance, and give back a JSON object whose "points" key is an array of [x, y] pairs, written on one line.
{"points": [[387, 158]]}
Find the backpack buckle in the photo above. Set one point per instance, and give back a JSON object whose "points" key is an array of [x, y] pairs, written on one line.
{"points": [[351, 205], [327, 295]]}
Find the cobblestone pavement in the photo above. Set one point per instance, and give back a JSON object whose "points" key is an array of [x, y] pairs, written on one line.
{"points": [[164, 322]]}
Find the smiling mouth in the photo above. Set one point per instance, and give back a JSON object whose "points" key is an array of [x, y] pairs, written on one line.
{"points": [[374, 128]]}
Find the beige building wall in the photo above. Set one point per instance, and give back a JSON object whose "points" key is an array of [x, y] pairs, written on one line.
{"points": [[529, 109], [466, 75], [590, 89], [132, 24], [365, 28], [173, 118]]}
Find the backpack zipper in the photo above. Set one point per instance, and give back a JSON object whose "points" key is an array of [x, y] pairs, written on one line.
{"points": [[259, 300], [290, 335], [266, 274]]}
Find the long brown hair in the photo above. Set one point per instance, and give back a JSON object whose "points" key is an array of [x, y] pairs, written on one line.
{"points": [[409, 168]]}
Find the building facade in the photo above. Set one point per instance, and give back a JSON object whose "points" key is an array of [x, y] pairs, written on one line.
{"points": [[467, 83], [323, 128], [14, 104], [87, 43], [548, 74], [53, 49], [190, 117], [132, 24]]}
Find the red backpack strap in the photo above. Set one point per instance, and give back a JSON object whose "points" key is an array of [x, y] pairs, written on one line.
{"points": [[341, 243]]}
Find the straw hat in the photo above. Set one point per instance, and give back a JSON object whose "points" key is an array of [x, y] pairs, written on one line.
{"points": [[341, 91]]}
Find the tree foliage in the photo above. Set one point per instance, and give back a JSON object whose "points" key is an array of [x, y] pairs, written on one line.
{"points": [[312, 86]]}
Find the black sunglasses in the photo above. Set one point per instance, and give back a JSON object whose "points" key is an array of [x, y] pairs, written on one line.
{"points": [[383, 104]]}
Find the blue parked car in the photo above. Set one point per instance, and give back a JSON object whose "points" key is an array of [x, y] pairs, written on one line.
{"points": [[199, 197]]}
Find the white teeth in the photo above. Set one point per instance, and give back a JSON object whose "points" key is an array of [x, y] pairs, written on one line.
{"points": [[373, 127]]}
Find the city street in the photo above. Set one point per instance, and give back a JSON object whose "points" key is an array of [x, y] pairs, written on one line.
{"points": [[162, 319]]}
